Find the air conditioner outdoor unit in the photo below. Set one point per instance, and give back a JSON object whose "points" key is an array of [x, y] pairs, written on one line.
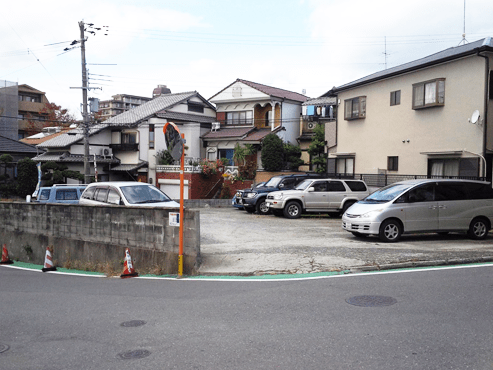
{"points": [[107, 152]]}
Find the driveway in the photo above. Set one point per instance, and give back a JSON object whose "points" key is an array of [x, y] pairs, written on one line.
{"points": [[236, 242]]}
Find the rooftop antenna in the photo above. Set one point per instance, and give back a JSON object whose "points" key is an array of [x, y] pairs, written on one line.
{"points": [[464, 41], [385, 51]]}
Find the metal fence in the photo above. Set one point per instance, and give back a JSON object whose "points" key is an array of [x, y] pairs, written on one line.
{"points": [[380, 180]]}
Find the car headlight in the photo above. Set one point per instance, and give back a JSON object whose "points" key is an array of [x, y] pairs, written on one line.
{"points": [[278, 196], [370, 214], [251, 195], [238, 194]]}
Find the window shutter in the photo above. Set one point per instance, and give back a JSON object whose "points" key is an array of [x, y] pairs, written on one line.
{"points": [[331, 165]]}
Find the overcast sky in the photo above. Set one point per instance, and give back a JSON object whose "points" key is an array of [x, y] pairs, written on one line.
{"points": [[189, 45]]}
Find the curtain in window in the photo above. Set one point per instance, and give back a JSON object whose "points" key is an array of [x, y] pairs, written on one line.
{"points": [[451, 168], [418, 95], [437, 168], [430, 93]]}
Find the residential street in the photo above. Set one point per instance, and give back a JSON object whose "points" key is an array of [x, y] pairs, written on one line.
{"points": [[235, 242], [421, 319]]}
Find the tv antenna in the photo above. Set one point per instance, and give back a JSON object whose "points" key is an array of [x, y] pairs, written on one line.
{"points": [[464, 41]]}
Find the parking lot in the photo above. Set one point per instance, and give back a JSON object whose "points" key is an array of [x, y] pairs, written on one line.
{"points": [[236, 242]]}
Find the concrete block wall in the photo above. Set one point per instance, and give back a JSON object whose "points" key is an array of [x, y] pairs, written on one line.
{"points": [[99, 235]]}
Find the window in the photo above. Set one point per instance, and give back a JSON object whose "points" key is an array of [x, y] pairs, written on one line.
{"points": [[452, 167], [392, 163], [336, 186], [129, 138], [66, 194], [113, 197], [355, 108], [151, 136], [395, 97], [239, 118], [195, 107], [320, 186], [356, 185], [423, 193], [429, 94], [345, 166]]}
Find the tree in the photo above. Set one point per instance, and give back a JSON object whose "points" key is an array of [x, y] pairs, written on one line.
{"points": [[27, 176], [164, 157], [50, 116], [242, 152], [317, 148], [272, 155], [292, 156], [54, 173], [5, 162]]}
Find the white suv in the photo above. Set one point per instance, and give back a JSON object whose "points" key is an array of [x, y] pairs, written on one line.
{"points": [[330, 196], [136, 194]]}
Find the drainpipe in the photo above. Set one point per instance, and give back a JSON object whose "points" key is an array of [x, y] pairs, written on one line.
{"points": [[487, 75]]}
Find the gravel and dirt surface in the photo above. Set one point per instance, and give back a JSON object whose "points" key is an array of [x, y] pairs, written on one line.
{"points": [[234, 242]]}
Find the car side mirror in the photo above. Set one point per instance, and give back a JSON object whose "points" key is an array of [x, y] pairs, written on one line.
{"points": [[281, 186], [311, 188]]}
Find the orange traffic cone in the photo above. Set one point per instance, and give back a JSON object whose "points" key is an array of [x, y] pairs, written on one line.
{"points": [[48, 266], [5, 256], [128, 268]]}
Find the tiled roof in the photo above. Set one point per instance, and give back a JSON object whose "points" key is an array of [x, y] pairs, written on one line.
{"points": [[148, 109], [440, 57], [260, 134], [130, 167], [224, 133], [73, 158], [269, 90], [185, 117], [45, 138], [71, 137], [13, 146], [321, 101]]}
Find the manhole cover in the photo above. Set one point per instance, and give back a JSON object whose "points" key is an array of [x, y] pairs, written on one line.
{"points": [[137, 353], [133, 323], [371, 301], [3, 348]]}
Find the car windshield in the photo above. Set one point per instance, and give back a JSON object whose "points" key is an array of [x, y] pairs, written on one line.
{"points": [[304, 184], [144, 194], [273, 182], [387, 193]]}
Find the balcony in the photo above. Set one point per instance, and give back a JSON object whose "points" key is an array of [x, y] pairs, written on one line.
{"points": [[125, 147]]}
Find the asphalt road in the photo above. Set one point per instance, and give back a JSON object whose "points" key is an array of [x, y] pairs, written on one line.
{"points": [[434, 319], [236, 242]]}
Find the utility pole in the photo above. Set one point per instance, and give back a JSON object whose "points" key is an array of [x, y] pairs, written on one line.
{"points": [[85, 117]]}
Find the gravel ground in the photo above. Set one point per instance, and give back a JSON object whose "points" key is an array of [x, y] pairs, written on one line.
{"points": [[236, 242]]}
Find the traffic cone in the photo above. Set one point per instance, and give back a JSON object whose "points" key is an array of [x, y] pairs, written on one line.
{"points": [[48, 266], [128, 268], [5, 256]]}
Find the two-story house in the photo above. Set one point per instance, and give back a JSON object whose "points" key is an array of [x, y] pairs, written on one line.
{"points": [[432, 116], [124, 147], [249, 111]]}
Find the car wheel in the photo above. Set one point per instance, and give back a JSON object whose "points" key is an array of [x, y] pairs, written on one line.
{"points": [[262, 207], [478, 229], [292, 210], [390, 231], [359, 235], [346, 206], [250, 209]]}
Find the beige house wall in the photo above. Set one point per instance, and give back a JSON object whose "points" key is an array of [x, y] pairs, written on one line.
{"points": [[401, 131]]}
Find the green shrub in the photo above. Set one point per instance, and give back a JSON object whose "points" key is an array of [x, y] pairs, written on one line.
{"points": [[272, 154]]}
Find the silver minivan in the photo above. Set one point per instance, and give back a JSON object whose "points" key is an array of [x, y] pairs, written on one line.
{"points": [[417, 206]]}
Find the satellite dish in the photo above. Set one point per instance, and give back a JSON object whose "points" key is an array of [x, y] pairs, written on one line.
{"points": [[173, 140], [475, 116]]}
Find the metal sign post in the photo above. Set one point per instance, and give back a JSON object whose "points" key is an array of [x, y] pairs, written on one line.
{"points": [[175, 143]]}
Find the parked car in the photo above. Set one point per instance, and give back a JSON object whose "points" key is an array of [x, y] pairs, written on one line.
{"points": [[418, 206], [60, 193], [236, 201], [126, 193], [254, 199], [330, 196]]}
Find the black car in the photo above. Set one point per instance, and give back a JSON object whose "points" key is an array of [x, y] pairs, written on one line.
{"points": [[253, 200]]}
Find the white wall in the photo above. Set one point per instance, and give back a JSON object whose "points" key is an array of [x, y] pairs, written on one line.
{"points": [[382, 132]]}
